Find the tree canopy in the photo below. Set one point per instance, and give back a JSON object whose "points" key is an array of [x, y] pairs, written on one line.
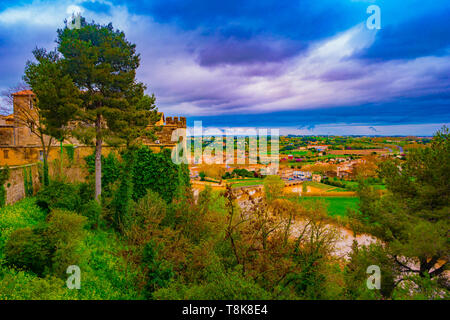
{"points": [[102, 64], [414, 217]]}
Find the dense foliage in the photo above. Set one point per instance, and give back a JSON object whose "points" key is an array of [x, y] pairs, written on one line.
{"points": [[413, 218], [157, 172]]}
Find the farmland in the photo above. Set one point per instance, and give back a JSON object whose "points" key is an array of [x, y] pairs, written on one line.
{"points": [[336, 206]]}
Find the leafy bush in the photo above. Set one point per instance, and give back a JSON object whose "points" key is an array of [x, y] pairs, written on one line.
{"points": [[92, 211], [159, 272], [121, 201], [225, 286], [60, 195], [111, 170], [64, 226], [22, 214], [356, 272], [47, 247], [86, 190], [65, 232], [20, 285], [28, 249], [157, 172], [106, 273], [150, 208]]}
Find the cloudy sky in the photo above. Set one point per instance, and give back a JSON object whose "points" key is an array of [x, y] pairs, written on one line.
{"points": [[304, 66]]}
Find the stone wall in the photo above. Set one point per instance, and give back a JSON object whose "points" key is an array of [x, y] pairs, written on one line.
{"points": [[15, 186], [6, 135]]}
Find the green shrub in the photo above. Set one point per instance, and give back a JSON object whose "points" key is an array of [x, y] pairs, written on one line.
{"points": [[20, 285], [122, 203], [22, 214], [225, 286], [150, 208], [86, 191], [64, 226], [159, 272], [111, 171], [29, 249], [60, 195], [92, 211], [157, 172], [47, 247]]}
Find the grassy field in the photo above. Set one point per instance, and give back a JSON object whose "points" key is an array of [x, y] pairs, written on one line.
{"points": [[336, 206], [245, 182]]}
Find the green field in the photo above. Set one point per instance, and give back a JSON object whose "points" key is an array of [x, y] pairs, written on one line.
{"points": [[245, 182], [336, 206]]}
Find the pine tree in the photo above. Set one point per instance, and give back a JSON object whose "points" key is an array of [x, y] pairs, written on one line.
{"points": [[102, 63]]}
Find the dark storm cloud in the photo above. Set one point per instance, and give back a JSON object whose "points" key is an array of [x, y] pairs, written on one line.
{"points": [[401, 112], [428, 34], [300, 64], [232, 51]]}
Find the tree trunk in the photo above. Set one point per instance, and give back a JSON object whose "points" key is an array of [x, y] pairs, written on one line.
{"points": [[45, 169], [98, 160]]}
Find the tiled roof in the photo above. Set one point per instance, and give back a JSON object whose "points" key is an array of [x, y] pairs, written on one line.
{"points": [[23, 93]]}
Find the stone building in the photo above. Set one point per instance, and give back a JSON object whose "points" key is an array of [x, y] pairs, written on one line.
{"points": [[16, 129], [19, 145]]}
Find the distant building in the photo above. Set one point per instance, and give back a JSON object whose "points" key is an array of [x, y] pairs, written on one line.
{"points": [[302, 175], [344, 170], [286, 173], [318, 148], [20, 145]]}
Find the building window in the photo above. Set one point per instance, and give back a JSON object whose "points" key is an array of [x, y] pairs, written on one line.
{"points": [[5, 154], [31, 104]]}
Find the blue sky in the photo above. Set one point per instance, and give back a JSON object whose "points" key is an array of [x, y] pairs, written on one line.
{"points": [[305, 66]]}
